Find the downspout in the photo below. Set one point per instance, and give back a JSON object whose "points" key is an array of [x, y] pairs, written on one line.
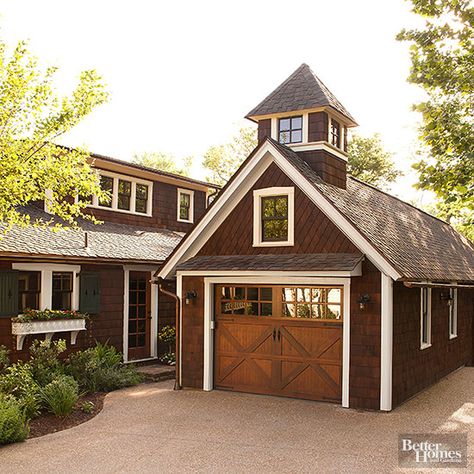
{"points": [[177, 385]]}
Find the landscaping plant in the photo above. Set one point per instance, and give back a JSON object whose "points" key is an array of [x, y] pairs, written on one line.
{"points": [[44, 360], [60, 396], [4, 359], [13, 422], [168, 336]]}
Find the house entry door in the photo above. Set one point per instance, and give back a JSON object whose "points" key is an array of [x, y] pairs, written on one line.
{"points": [[139, 315]]}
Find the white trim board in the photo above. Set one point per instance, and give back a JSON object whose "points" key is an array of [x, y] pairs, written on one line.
{"points": [[386, 343], [242, 183], [209, 282]]}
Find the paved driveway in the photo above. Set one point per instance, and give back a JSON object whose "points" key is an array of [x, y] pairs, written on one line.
{"points": [[150, 428]]}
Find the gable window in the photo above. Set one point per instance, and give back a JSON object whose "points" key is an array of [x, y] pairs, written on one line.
{"points": [[290, 130], [273, 217], [29, 290], [453, 313], [185, 205], [425, 317], [124, 194], [335, 133], [128, 194]]}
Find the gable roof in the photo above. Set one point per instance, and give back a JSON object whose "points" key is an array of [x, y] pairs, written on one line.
{"points": [[107, 241], [414, 244], [301, 91]]}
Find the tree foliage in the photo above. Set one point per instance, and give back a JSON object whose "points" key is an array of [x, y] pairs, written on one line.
{"points": [[369, 162], [222, 161], [442, 55], [32, 117], [163, 162]]}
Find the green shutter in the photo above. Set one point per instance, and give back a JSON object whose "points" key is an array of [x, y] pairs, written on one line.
{"points": [[9, 293], [89, 301]]}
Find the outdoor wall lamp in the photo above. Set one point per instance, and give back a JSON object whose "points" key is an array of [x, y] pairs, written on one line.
{"points": [[363, 301], [190, 296]]}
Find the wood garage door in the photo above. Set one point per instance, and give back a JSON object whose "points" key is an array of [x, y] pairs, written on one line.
{"points": [[279, 340]]}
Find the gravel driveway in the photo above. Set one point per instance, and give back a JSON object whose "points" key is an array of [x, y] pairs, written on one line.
{"points": [[151, 428]]}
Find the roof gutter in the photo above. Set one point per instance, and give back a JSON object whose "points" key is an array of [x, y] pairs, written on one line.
{"points": [[427, 284]]}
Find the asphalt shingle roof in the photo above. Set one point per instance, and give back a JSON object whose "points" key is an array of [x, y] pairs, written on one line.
{"points": [[418, 245], [116, 242], [268, 262], [302, 90]]}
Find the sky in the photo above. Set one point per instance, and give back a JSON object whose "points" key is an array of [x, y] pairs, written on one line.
{"points": [[183, 74]]}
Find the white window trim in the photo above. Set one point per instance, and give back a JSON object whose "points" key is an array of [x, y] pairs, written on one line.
{"points": [[46, 289], [257, 221], [423, 344], [453, 313], [95, 201], [191, 205]]}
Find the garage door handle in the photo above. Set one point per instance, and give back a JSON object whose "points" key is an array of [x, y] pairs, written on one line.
{"points": [[278, 334], [274, 333]]}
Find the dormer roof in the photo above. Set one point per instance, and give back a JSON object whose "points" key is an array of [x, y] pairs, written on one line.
{"points": [[303, 90]]}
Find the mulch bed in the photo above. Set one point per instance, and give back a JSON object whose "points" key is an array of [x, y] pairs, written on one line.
{"points": [[48, 423]]}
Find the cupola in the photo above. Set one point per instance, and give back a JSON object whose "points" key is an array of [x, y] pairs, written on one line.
{"points": [[303, 114]]}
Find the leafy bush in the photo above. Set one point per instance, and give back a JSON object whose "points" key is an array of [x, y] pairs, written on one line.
{"points": [[18, 382], [99, 369], [60, 395], [4, 359], [168, 336], [13, 424], [44, 361], [168, 358]]}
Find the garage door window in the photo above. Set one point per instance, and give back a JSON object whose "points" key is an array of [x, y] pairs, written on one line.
{"points": [[312, 303], [251, 301]]}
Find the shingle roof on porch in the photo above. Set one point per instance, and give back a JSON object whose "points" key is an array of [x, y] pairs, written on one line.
{"points": [[271, 262]]}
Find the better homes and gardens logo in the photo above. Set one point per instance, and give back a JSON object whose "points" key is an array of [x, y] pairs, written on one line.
{"points": [[431, 450]]}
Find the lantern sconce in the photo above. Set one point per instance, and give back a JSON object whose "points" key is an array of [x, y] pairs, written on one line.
{"points": [[446, 296], [363, 301], [190, 296]]}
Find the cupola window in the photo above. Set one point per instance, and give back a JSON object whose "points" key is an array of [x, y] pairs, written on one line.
{"points": [[290, 130], [335, 133]]}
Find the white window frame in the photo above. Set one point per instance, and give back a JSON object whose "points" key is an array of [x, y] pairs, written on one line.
{"points": [[114, 204], [453, 313], [427, 343], [257, 216], [191, 205], [341, 133], [46, 289]]}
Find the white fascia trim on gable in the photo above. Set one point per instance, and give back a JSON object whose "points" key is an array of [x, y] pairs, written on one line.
{"points": [[257, 216], [243, 183]]}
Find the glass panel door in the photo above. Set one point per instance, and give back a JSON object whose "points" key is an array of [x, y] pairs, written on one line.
{"points": [[139, 315]]}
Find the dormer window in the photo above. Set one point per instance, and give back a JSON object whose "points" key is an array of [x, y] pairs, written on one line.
{"points": [[185, 205], [290, 130], [273, 217], [128, 194], [335, 133]]}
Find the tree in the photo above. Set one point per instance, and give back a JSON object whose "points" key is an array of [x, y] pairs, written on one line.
{"points": [[442, 56], [223, 160], [163, 162], [32, 117], [369, 162]]}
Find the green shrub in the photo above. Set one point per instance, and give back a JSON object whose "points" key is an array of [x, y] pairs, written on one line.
{"points": [[13, 424], [4, 359], [60, 395], [87, 407], [18, 382], [44, 360], [99, 369]]}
